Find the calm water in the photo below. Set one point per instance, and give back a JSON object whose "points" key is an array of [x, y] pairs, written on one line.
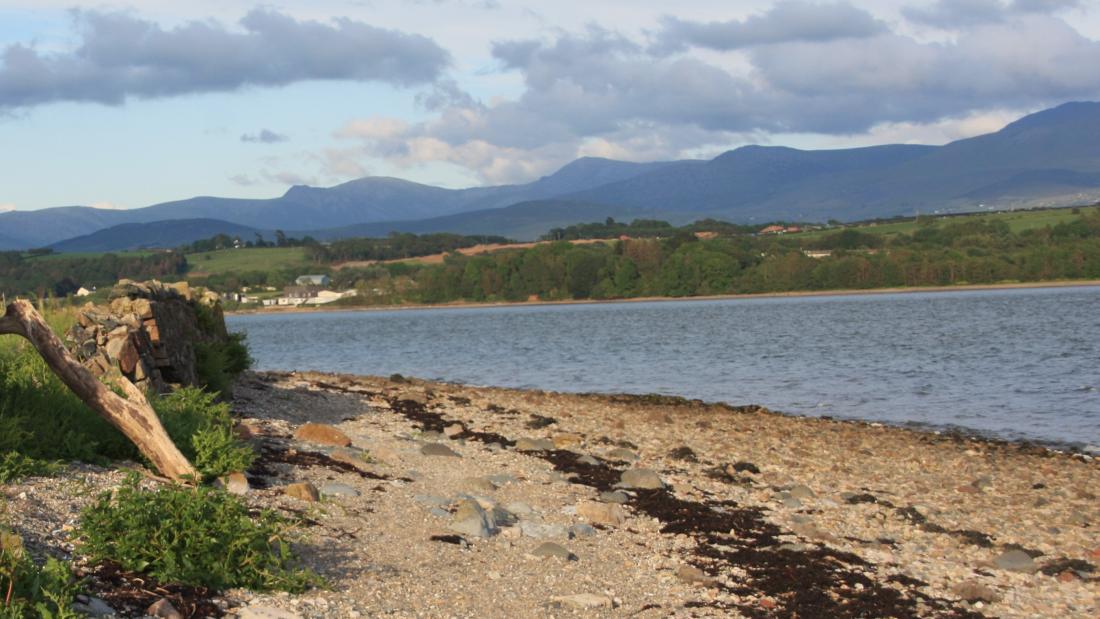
{"points": [[1011, 363]]}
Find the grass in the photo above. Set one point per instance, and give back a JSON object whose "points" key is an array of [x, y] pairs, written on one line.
{"points": [[194, 536], [1017, 221], [247, 259], [203, 430]]}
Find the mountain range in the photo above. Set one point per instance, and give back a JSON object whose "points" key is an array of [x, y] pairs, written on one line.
{"points": [[1048, 158]]}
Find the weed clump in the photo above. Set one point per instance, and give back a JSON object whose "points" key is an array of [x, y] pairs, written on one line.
{"points": [[27, 590], [193, 536], [202, 428]]}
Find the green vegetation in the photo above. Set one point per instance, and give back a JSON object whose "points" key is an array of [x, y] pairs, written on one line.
{"points": [[63, 275], [28, 591], [202, 428], [248, 259], [644, 228], [199, 536], [936, 252], [397, 246]]}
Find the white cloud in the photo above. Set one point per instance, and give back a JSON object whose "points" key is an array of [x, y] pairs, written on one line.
{"points": [[109, 206], [7, 208]]}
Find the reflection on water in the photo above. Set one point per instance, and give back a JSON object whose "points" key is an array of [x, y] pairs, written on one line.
{"points": [[1014, 363]]}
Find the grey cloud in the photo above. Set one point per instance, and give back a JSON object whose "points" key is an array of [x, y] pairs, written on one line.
{"points": [[120, 56], [265, 136], [957, 14], [784, 22]]}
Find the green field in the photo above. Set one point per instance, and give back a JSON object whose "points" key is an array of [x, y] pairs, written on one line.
{"points": [[1017, 221], [247, 259]]}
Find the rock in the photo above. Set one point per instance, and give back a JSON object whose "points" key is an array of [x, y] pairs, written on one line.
{"points": [[502, 480], [439, 512], [695, 576], [478, 484], [602, 513], [520, 509], [335, 489], [622, 453], [1016, 561], [791, 503], [741, 467], [685, 453], [434, 501], [266, 612], [163, 609], [453, 430], [534, 444], [542, 530], [974, 591], [94, 607], [802, 492], [566, 440], [303, 491], [502, 517], [471, 520], [641, 478], [438, 449], [615, 496], [582, 530], [583, 601], [552, 550], [321, 434], [235, 483], [352, 456], [589, 460]]}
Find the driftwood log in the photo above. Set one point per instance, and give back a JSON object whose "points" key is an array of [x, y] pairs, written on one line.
{"points": [[132, 415]]}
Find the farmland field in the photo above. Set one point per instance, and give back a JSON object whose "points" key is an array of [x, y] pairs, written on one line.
{"points": [[247, 259]]}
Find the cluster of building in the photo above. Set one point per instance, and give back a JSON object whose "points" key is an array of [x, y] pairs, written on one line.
{"points": [[307, 290]]}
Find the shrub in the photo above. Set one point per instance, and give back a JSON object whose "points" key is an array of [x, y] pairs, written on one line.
{"points": [[219, 363], [27, 590], [195, 536], [202, 428]]}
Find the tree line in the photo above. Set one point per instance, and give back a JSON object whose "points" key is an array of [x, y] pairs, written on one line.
{"points": [[58, 275]]}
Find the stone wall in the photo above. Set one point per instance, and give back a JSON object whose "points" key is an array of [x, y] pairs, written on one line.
{"points": [[149, 332]]}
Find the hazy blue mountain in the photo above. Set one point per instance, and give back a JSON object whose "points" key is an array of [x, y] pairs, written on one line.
{"points": [[157, 234], [364, 200], [524, 221], [1047, 158]]}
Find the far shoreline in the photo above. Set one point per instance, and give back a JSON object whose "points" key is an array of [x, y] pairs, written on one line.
{"points": [[297, 309]]}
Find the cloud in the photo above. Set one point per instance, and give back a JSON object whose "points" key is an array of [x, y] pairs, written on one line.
{"points": [[600, 92], [959, 14], [119, 57], [285, 177], [785, 22], [7, 208], [109, 206], [265, 136], [244, 180]]}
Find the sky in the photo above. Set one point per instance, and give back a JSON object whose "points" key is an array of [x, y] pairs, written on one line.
{"points": [[122, 105]]}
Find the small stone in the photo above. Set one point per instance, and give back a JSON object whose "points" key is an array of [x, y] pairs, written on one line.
{"points": [[478, 484], [502, 480], [588, 460], [434, 501], [622, 453], [583, 601], [974, 591], [519, 509], [1016, 561], [685, 453], [94, 607], [582, 530], [354, 457], [439, 512], [542, 530], [801, 492], [534, 444], [303, 491], [967, 489], [601, 513], [235, 483], [453, 430], [163, 609], [791, 503], [641, 478], [552, 550], [1067, 576], [335, 489], [767, 603], [615, 496], [472, 520], [438, 449], [322, 434], [266, 612], [566, 440], [693, 575]]}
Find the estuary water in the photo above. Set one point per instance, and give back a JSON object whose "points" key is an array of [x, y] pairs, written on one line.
{"points": [[1015, 363]]}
